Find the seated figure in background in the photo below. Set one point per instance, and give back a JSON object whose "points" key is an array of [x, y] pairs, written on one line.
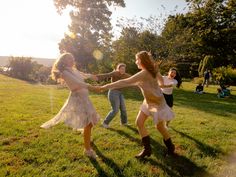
{"points": [[223, 91], [199, 89]]}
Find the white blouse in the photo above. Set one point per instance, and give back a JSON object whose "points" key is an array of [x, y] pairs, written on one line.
{"points": [[168, 81]]}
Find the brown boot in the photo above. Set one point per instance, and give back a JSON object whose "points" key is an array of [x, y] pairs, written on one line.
{"points": [[147, 151], [170, 146]]}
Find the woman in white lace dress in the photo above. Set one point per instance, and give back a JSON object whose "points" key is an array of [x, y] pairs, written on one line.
{"points": [[78, 111]]}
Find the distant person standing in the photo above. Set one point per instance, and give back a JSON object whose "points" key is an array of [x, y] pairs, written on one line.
{"points": [[207, 76]]}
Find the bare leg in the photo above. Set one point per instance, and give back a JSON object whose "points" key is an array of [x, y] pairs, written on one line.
{"points": [[163, 130], [140, 120], [87, 142], [87, 136]]}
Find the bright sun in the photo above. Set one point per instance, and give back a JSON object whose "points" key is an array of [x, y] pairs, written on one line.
{"points": [[31, 28]]}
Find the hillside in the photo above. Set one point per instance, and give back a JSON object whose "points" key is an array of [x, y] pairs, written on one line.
{"points": [[203, 131], [43, 61]]}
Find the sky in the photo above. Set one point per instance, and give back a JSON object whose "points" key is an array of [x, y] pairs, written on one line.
{"points": [[34, 28]]}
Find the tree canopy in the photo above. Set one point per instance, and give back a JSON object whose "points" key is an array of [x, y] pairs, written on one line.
{"points": [[90, 28], [203, 37]]}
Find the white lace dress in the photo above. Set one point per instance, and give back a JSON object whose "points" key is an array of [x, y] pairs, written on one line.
{"points": [[78, 111]]}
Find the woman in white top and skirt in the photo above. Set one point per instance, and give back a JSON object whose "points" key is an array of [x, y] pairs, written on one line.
{"points": [[170, 81]]}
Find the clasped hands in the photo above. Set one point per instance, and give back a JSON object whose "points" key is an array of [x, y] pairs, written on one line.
{"points": [[97, 89]]}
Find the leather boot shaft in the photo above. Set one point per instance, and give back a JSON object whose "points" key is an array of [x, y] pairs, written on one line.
{"points": [[147, 151], [170, 146]]}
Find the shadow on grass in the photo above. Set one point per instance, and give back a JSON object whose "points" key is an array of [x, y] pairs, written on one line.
{"points": [[158, 149], [174, 166], [123, 133], [135, 130], [206, 149], [99, 169], [109, 162], [178, 166]]}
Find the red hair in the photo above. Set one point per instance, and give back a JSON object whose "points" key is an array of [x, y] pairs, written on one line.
{"points": [[147, 62]]}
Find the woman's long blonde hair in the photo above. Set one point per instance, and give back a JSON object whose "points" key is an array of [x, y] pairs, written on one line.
{"points": [[147, 62], [60, 65]]}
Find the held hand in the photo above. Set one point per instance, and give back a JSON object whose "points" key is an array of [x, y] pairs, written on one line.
{"points": [[94, 88], [94, 77], [103, 88], [99, 89]]}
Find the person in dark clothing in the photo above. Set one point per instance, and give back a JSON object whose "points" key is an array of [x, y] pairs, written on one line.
{"points": [[199, 89], [207, 76]]}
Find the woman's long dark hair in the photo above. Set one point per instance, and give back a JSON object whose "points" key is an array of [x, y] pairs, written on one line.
{"points": [[147, 62], [177, 77]]}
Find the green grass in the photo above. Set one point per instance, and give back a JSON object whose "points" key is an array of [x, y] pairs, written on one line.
{"points": [[203, 131]]}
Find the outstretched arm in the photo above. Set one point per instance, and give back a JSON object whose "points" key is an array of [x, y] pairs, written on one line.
{"points": [[88, 76], [105, 75], [160, 80], [131, 81]]}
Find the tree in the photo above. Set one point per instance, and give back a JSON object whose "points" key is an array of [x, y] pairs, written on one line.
{"points": [[206, 63], [125, 47], [208, 29], [89, 30], [215, 28], [26, 69], [178, 39], [137, 35], [20, 67]]}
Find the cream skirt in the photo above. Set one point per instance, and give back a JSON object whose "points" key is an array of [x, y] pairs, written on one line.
{"points": [[77, 112], [159, 113]]}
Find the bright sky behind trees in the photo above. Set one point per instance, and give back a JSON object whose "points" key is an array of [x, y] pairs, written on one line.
{"points": [[33, 27]]}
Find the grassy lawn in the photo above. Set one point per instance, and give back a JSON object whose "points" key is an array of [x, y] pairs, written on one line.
{"points": [[203, 131]]}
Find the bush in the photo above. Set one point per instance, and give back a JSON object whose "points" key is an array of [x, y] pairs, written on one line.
{"points": [[21, 67], [24, 68], [225, 75]]}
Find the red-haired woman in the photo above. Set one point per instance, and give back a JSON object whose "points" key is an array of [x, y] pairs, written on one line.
{"points": [[154, 104]]}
